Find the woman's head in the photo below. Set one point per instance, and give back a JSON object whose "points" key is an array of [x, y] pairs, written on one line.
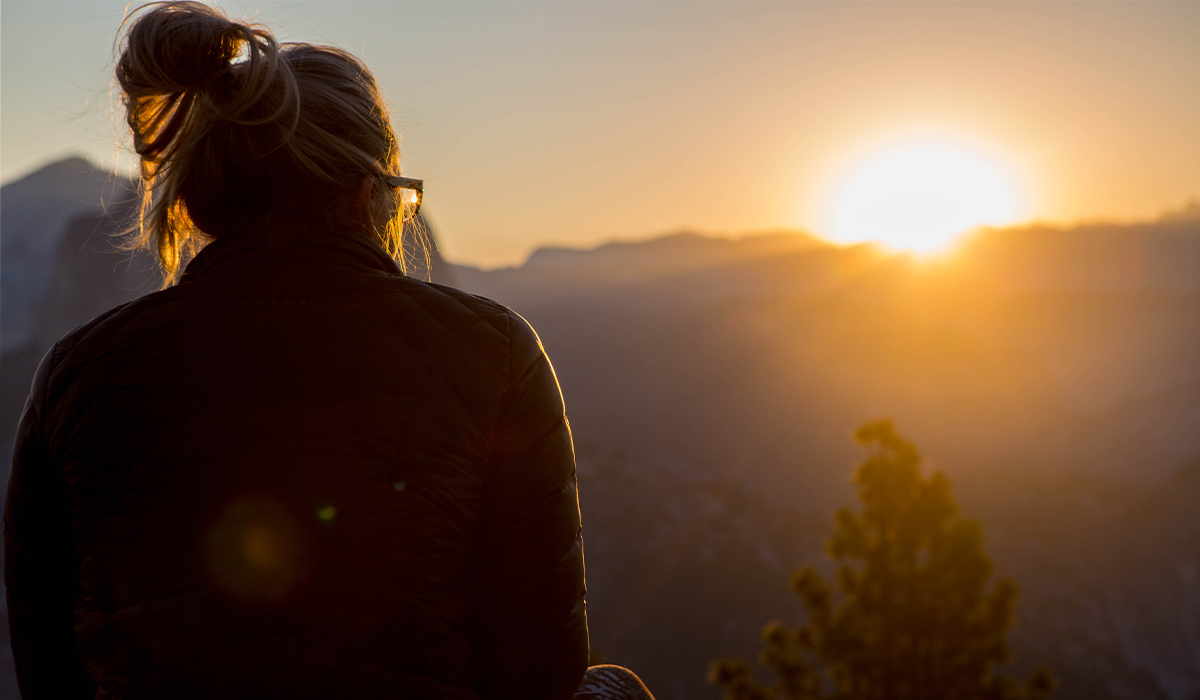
{"points": [[235, 130]]}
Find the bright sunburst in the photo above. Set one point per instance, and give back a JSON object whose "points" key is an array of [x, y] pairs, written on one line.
{"points": [[920, 195]]}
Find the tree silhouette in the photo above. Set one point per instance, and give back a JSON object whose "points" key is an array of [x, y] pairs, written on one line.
{"points": [[916, 619]]}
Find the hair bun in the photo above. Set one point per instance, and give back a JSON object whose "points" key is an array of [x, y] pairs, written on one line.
{"points": [[224, 139], [178, 47]]}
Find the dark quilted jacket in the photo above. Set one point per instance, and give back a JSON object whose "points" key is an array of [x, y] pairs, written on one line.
{"points": [[296, 474]]}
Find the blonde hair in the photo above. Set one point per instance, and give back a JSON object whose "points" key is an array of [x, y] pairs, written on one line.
{"points": [[234, 128]]}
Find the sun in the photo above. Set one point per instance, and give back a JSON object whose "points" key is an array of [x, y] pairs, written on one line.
{"points": [[921, 195]]}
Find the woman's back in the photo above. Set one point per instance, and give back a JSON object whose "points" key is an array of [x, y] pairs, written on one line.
{"points": [[299, 472]]}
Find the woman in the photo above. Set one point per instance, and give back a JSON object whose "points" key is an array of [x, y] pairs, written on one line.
{"points": [[295, 472]]}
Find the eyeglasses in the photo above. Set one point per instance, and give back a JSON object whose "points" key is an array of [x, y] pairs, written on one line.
{"points": [[411, 192]]}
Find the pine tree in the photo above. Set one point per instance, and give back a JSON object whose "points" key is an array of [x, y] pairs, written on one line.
{"points": [[917, 619]]}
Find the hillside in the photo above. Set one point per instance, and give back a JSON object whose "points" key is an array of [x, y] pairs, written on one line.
{"points": [[1050, 371]]}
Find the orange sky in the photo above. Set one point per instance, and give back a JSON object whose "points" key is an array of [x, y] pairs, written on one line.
{"points": [[578, 122]]}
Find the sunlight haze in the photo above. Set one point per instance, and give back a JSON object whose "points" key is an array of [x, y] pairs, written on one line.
{"points": [[575, 123]]}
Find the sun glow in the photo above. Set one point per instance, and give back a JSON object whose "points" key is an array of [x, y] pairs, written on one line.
{"points": [[921, 195]]}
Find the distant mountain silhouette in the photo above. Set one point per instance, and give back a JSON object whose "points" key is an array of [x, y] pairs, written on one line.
{"points": [[712, 385], [1026, 337], [35, 215], [670, 254], [1189, 212]]}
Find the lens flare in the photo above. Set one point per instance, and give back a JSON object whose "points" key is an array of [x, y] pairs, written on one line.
{"points": [[253, 551]]}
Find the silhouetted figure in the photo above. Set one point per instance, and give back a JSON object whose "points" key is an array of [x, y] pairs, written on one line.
{"points": [[293, 472]]}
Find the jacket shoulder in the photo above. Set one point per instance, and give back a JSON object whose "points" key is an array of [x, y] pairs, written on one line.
{"points": [[71, 356], [451, 304], [525, 350], [105, 325], [480, 321], [474, 302]]}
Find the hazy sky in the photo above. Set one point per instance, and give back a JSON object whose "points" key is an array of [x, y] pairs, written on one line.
{"points": [[572, 123]]}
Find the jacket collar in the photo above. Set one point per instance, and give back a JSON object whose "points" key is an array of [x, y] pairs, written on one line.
{"points": [[330, 248]]}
